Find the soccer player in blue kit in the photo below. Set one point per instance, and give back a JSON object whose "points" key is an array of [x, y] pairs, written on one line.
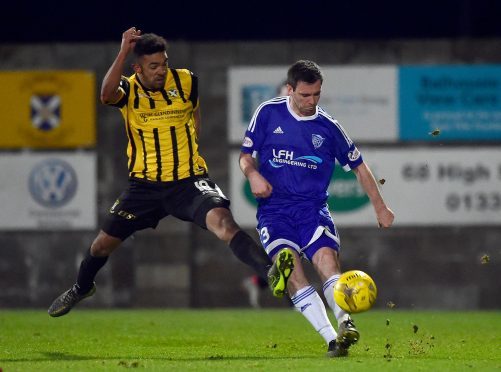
{"points": [[288, 155]]}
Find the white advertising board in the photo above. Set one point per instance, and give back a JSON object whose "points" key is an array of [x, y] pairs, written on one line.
{"points": [[48, 191], [423, 186], [362, 98]]}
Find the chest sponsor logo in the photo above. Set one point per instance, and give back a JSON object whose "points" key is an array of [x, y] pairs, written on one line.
{"points": [[286, 157], [161, 115]]}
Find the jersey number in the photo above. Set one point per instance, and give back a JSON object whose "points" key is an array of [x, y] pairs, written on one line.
{"points": [[265, 236], [203, 186]]}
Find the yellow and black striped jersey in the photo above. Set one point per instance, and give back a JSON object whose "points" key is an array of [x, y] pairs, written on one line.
{"points": [[161, 127]]}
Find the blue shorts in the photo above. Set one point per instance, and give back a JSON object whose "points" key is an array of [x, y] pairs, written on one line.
{"points": [[304, 230]]}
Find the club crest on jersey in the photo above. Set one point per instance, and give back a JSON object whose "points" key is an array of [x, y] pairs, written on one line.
{"points": [[317, 140], [172, 93], [45, 112]]}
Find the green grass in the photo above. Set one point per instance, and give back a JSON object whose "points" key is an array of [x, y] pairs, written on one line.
{"points": [[265, 340]]}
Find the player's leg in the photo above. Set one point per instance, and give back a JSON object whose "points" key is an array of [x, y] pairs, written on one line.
{"points": [[307, 301], [221, 223], [250, 285], [96, 257], [323, 251], [254, 285], [326, 263], [136, 209], [277, 236], [325, 258], [279, 232], [84, 287], [281, 271], [203, 203]]}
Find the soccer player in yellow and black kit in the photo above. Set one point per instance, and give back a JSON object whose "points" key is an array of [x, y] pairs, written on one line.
{"points": [[167, 175]]}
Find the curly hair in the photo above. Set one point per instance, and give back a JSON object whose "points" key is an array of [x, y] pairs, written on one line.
{"points": [[150, 44]]}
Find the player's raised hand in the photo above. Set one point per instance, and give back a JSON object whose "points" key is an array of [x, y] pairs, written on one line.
{"points": [[129, 39]]}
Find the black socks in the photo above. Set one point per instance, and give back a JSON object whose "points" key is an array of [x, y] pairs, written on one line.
{"points": [[88, 270], [247, 251], [242, 245]]}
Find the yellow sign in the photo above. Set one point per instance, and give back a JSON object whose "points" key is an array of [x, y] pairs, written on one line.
{"points": [[47, 109]]}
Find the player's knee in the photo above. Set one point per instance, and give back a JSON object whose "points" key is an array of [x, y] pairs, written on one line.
{"points": [[104, 245], [325, 254], [326, 261], [220, 221]]}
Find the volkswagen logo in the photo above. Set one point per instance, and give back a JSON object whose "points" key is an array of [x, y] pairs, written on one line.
{"points": [[52, 183]]}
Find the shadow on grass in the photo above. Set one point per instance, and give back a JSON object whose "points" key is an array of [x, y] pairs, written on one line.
{"points": [[55, 356], [51, 356]]}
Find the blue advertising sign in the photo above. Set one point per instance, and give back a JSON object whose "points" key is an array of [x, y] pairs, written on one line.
{"points": [[450, 102], [253, 95]]}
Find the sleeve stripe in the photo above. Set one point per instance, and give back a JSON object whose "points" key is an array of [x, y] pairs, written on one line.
{"points": [[336, 123], [274, 101], [194, 90], [125, 87], [178, 84]]}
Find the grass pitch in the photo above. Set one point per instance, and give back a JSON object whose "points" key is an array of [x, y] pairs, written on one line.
{"points": [[264, 340]]}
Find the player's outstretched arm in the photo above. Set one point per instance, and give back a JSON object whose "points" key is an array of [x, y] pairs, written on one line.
{"points": [[260, 187], [384, 215], [111, 81]]}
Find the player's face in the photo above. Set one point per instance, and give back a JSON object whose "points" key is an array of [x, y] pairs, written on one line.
{"points": [[305, 97], [152, 70]]}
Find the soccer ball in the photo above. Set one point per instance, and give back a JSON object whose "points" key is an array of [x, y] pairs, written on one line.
{"points": [[355, 291]]}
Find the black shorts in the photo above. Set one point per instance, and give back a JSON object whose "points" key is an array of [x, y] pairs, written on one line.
{"points": [[144, 204]]}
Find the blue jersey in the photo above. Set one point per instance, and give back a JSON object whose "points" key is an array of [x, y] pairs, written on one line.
{"points": [[297, 154]]}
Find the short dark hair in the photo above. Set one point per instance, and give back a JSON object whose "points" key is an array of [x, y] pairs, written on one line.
{"points": [[304, 70], [149, 44]]}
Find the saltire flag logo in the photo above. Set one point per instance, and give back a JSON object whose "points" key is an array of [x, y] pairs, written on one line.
{"points": [[317, 140], [172, 93], [45, 112]]}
